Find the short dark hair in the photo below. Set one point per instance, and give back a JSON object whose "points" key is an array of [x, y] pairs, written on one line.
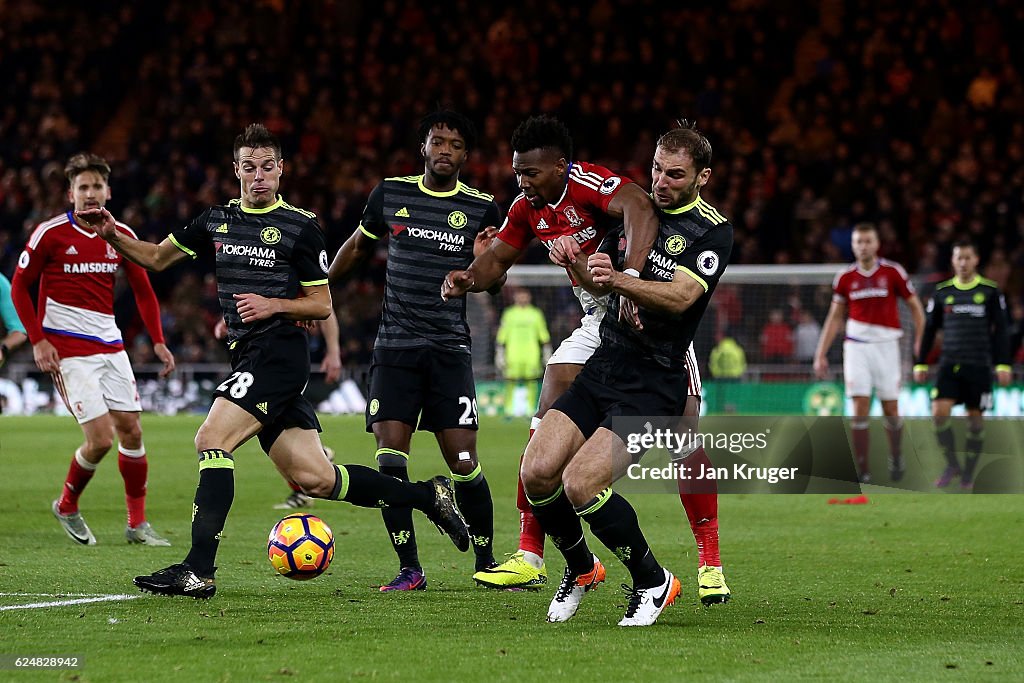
{"points": [[255, 136], [86, 161], [452, 120], [965, 243], [538, 132], [685, 137], [866, 227]]}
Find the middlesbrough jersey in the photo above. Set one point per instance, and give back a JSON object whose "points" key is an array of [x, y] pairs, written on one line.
{"points": [[871, 297], [76, 270], [580, 213]]}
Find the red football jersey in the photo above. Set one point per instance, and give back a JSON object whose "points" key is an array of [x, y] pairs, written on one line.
{"points": [[871, 297], [76, 271], [581, 212]]}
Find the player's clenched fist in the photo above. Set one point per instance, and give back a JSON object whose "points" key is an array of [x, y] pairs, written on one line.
{"points": [[564, 251], [600, 266], [456, 283], [253, 307]]}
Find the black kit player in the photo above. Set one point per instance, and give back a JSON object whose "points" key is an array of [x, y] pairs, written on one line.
{"points": [[271, 267], [421, 374], [575, 456], [971, 312]]}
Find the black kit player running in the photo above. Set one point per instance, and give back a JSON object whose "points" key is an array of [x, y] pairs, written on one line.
{"points": [[421, 375], [271, 268]]}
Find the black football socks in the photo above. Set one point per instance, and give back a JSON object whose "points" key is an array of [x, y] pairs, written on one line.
{"points": [[213, 499], [613, 520], [473, 496]]}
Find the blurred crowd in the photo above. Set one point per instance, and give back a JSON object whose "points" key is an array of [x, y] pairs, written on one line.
{"points": [[821, 113]]}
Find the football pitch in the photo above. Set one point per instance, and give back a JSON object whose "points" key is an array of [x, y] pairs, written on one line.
{"points": [[910, 587]]}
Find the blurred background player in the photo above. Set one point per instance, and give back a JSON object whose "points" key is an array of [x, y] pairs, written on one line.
{"points": [[422, 372], [971, 312], [868, 293], [14, 331], [75, 339], [523, 347], [560, 196]]}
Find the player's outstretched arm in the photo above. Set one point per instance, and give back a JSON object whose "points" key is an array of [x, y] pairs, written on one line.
{"points": [[671, 297], [150, 256], [833, 323], [486, 271], [313, 304], [356, 251]]}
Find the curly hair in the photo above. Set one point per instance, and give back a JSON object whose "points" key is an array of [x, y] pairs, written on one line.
{"points": [[538, 132], [452, 120], [690, 140], [255, 136]]}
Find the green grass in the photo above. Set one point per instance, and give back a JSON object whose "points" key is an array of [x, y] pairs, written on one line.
{"points": [[910, 587]]}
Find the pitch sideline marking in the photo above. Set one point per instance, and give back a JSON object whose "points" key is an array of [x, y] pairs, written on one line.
{"points": [[64, 603]]}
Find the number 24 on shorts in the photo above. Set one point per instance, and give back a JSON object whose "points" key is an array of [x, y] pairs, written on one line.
{"points": [[242, 382]]}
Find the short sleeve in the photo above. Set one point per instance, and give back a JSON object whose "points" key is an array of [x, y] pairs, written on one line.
{"points": [[372, 223], [839, 289], [193, 236], [492, 217], [595, 185], [309, 258], [515, 231], [706, 259], [904, 287]]}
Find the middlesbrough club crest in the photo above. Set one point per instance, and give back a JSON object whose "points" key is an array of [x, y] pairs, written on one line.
{"points": [[111, 252], [573, 217]]}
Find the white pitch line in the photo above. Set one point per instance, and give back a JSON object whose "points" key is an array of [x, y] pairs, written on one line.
{"points": [[51, 595], [64, 603]]}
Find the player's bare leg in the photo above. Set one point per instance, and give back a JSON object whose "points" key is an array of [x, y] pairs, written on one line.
{"points": [[525, 568], [472, 492], [700, 501]]}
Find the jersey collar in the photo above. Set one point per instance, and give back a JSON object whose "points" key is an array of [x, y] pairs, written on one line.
{"points": [[565, 189], [434, 193], [266, 209], [971, 284], [74, 224], [872, 271], [682, 209]]}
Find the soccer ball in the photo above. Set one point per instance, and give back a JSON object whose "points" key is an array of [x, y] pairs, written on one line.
{"points": [[301, 547]]}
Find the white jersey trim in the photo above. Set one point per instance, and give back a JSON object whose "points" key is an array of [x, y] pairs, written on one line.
{"points": [[81, 323]]}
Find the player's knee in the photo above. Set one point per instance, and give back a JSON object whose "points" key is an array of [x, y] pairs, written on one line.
{"points": [[131, 437], [538, 477], [207, 437], [579, 487], [313, 483], [97, 445], [463, 466]]}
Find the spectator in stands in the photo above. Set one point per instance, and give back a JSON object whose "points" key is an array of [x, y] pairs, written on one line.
{"points": [[776, 339]]}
